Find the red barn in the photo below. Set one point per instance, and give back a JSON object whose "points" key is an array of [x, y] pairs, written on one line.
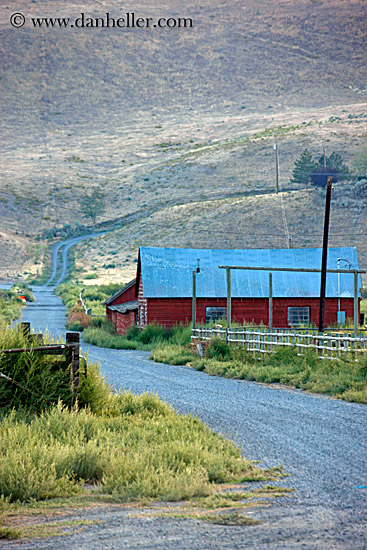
{"points": [[122, 308], [162, 290]]}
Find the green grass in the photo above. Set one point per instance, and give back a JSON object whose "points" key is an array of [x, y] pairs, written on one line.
{"points": [[342, 379], [129, 447], [147, 339], [93, 295], [10, 305], [104, 339], [136, 447]]}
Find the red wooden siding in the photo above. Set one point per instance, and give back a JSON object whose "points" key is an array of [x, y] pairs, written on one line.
{"points": [[127, 296], [172, 311], [124, 321]]}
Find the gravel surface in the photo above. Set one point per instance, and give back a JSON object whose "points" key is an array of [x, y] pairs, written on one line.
{"points": [[320, 441]]}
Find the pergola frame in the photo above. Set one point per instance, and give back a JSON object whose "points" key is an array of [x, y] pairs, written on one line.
{"points": [[228, 269]]}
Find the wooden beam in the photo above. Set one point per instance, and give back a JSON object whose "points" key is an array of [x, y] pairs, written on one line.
{"points": [[194, 299], [295, 269], [229, 313], [356, 320], [270, 301]]}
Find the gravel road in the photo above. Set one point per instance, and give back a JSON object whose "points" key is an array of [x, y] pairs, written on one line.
{"points": [[320, 441]]}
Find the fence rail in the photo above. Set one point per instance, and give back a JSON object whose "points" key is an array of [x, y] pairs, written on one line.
{"points": [[259, 341], [70, 350]]}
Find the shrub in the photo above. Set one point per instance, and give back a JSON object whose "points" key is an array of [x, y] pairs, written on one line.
{"points": [[153, 333], [132, 333], [218, 349], [23, 289], [78, 319], [39, 380], [172, 354]]}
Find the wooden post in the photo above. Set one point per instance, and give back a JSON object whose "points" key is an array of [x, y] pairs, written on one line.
{"points": [[26, 329], [194, 299], [228, 272], [270, 302], [324, 255], [36, 339], [356, 320], [72, 339]]}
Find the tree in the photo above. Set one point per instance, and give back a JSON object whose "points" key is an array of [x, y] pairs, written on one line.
{"points": [[334, 167], [335, 162], [303, 168], [93, 205], [320, 176]]}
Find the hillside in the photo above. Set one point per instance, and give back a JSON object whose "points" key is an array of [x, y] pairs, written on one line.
{"points": [[170, 116]]}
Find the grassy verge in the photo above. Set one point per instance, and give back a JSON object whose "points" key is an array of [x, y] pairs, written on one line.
{"points": [[146, 339], [93, 295], [10, 304], [127, 447], [342, 379], [105, 338]]}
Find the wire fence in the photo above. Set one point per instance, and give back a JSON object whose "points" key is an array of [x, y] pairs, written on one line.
{"points": [[259, 341]]}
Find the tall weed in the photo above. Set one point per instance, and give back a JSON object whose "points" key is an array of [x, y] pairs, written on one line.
{"points": [[135, 447]]}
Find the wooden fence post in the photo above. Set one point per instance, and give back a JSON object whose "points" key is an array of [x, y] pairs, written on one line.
{"points": [[26, 329], [72, 339]]}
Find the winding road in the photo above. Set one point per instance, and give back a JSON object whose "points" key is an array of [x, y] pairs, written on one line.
{"points": [[321, 443]]}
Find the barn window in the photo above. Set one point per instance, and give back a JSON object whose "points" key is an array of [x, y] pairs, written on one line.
{"points": [[298, 316], [215, 313]]}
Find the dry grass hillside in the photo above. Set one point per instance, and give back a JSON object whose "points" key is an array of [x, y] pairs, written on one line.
{"points": [[261, 221], [158, 117]]}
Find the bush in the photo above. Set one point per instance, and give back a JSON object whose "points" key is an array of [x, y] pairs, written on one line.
{"points": [[218, 349], [78, 319], [172, 354], [24, 290], [40, 380], [153, 333], [132, 333]]}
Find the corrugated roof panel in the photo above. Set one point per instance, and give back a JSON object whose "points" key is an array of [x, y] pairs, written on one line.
{"points": [[167, 272]]}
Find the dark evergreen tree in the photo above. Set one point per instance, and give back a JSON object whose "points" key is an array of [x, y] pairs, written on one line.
{"points": [[334, 168], [335, 162], [303, 168]]}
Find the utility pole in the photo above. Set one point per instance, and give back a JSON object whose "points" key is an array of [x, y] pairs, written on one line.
{"points": [[276, 167], [324, 255]]}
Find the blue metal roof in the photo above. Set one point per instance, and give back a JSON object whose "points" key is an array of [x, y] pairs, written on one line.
{"points": [[167, 272]]}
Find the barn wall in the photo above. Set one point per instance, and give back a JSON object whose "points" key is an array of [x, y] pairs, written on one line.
{"points": [[127, 296], [142, 306], [170, 312], [124, 321]]}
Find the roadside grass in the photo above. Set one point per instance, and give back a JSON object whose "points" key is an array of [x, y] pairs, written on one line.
{"points": [[45, 529], [10, 305], [346, 380], [146, 339], [136, 448], [223, 507], [93, 295], [226, 507], [129, 448]]}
